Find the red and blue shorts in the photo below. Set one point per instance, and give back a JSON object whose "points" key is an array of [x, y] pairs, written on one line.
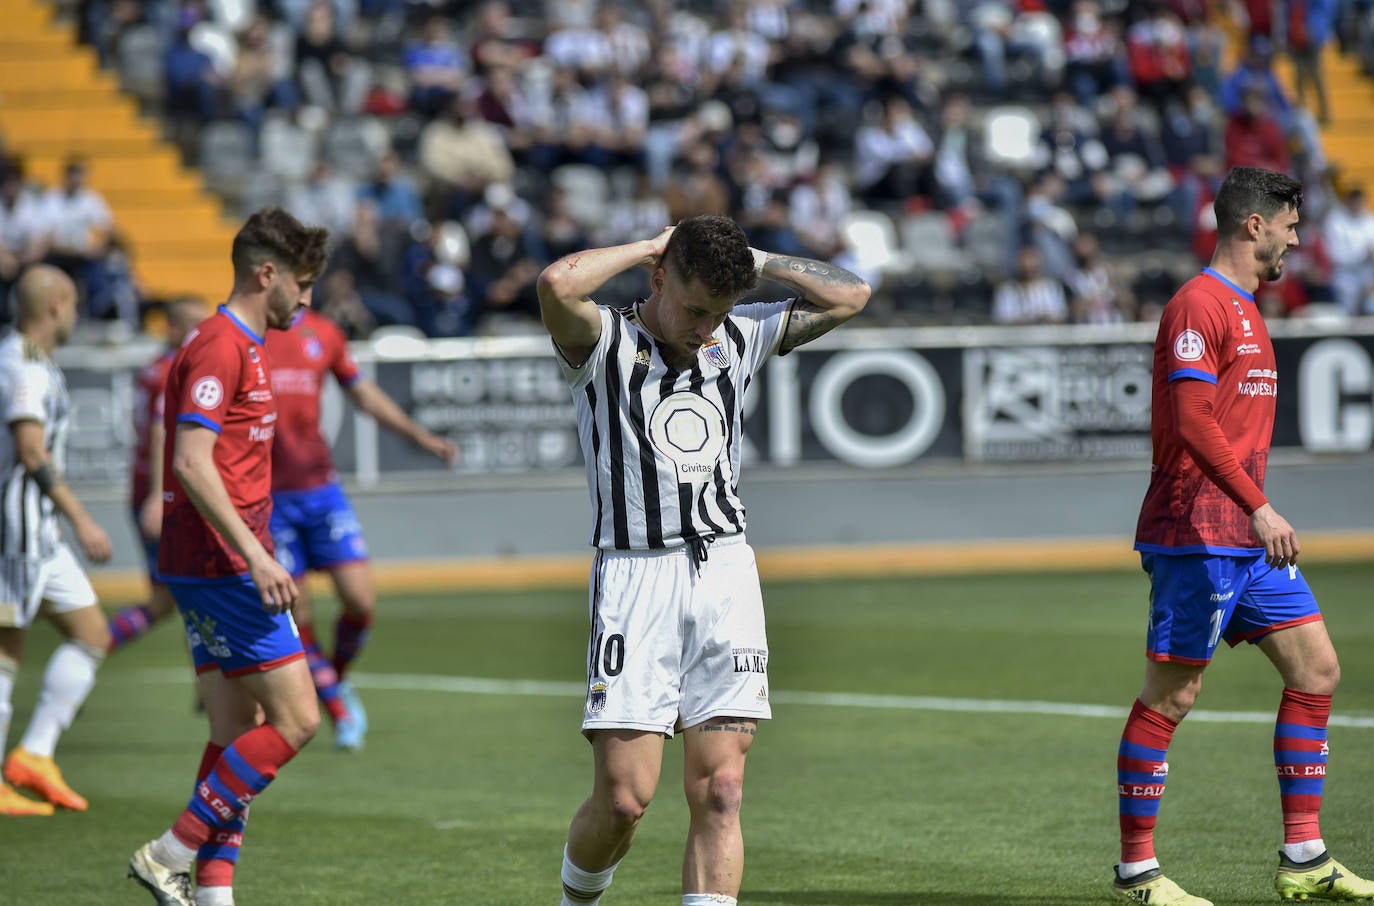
{"points": [[228, 629], [1196, 600], [315, 529]]}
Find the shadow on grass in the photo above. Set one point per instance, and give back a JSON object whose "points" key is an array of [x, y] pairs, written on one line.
{"points": [[905, 898]]}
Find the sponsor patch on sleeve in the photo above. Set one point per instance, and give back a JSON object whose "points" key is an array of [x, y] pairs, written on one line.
{"points": [[208, 392], [1189, 346]]}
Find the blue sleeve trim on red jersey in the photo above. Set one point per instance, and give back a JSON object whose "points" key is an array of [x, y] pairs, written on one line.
{"points": [[199, 420], [1193, 373], [353, 380]]}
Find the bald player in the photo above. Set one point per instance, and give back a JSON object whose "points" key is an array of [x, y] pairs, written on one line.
{"points": [[38, 571], [145, 499]]}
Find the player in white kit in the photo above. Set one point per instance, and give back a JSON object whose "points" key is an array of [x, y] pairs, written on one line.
{"points": [[37, 568], [677, 628]]}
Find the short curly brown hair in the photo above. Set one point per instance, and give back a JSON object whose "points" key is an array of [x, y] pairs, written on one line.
{"points": [[713, 250], [271, 234], [1252, 190]]}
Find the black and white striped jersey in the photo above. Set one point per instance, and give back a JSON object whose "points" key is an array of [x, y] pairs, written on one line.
{"points": [[662, 446], [32, 387]]}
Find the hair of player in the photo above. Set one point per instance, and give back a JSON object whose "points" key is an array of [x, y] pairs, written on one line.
{"points": [[272, 234], [1251, 190], [714, 251]]}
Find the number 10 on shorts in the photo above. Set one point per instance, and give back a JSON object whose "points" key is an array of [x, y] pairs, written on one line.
{"points": [[1212, 641], [606, 656]]}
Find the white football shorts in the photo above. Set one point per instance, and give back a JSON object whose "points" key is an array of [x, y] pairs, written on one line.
{"points": [[27, 582], [674, 642]]}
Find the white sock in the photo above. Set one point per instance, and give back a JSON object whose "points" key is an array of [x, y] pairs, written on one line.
{"points": [[8, 668], [214, 896], [1126, 870], [1305, 851], [708, 899], [67, 681], [172, 853], [591, 884]]}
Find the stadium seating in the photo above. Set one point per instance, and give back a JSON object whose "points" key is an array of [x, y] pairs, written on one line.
{"points": [[871, 238], [59, 104]]}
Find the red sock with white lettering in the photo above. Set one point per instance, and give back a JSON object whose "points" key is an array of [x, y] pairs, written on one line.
{"points": [[1141, 773], [1300, 752], [216, 857], [242, 772]]}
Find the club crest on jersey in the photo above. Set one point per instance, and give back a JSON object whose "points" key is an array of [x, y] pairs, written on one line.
{"points": [[596, 699], [313, 348], [1236, 303], [715, 354], [1189, 346], [253, 354]]}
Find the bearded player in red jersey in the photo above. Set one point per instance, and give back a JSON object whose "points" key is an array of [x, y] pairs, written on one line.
{"points": [[1222, 562], [313, 523], [145, 498], [216, 556]]}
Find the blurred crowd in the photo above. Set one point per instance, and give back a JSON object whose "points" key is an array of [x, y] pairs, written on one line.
{"points": [[1006, 161], [71, 226]]}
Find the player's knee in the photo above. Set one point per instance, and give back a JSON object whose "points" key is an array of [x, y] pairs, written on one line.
{"points": [[297, 724], [162, 605], [1181, 702], [93, 636], [306, 728], [722, 794], [360, 605], [1175, 703], [298, 733], [625, 807], [1321, 676]]}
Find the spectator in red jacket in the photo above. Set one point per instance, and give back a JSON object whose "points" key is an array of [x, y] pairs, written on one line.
{"points": [[1253, 139]]}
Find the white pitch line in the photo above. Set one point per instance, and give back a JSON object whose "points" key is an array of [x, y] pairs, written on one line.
{"points": [[476, 685]]}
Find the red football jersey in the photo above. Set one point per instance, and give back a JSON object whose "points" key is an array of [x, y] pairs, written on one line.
{"points": [[1210, 331], [149, 384], [301, 357], [219, 379]]}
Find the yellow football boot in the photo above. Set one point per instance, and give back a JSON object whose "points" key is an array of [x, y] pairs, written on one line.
{"points": [[1154, 889], [1321, 879]]}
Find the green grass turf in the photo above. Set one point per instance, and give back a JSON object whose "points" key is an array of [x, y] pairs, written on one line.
{"points": [[465, 799]]}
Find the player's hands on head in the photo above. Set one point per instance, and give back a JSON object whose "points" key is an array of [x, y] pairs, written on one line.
{"points": [[1280, 539], [657, 246], [274, 584], [95, 543]]}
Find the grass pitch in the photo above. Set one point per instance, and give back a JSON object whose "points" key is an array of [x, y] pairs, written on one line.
{"points": [[463, 797]]}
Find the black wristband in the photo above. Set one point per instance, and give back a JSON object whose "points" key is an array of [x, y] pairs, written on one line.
{"points": [[45, 476]]}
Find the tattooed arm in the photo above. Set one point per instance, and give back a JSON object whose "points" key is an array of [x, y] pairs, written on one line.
{"points": [[830, 296], [565, 289]]}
